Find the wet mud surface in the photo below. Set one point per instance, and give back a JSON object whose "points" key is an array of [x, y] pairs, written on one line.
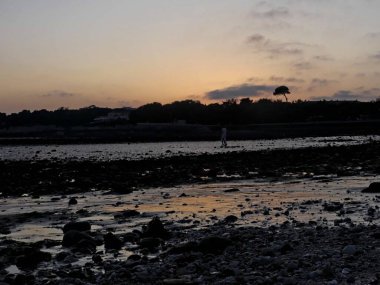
{"points": [[270, 217]]}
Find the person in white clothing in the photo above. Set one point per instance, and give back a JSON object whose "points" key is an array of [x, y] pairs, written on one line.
{"points": [[224, 137]]}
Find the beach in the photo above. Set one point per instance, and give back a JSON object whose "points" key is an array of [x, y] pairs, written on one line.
{"points": [[270, 216]]}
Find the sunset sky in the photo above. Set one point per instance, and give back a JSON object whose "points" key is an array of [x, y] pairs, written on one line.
{"points": [[117, 53]]}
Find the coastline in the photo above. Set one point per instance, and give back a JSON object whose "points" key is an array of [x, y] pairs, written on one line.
{"points": [[143, 222]]}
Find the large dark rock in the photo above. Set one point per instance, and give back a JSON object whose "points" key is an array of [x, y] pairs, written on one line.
{"points": [[185, 247], [373, 188], [112, 242], [30, 257], [25, 256], [156, 229], [78, 239], [213, 244], [22, 279], [332, 206], [230, 219], [150, 242], [127, 214], [73, 201], [77, 226]]}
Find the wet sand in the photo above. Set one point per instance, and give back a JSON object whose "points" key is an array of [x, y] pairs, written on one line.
{"points": [[270, 217]]}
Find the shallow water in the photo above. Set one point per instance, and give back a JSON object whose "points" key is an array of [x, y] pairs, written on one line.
{"points": [[203, 204], [135, 151]]}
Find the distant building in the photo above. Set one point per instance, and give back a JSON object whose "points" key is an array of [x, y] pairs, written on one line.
{"points": [[117, 115]]}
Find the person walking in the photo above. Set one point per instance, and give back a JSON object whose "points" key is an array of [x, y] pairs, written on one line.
{"points": [[224, 137]]}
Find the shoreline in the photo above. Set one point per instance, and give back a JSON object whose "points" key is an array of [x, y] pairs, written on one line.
{"points": [[125, 176]]}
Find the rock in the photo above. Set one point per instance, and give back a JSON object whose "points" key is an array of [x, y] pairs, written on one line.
{"points": [[60, 256], [156, 229], [4, 230], [285, 248], [149, 242], [371, 211], [77, 226], [73, 237], [185, 247], [350, 249], [266, 212], [213, 244], [22, 279], [97, 259], [73, 201], [373, 188], [245, 213], [127, 214], [230, 219], [376, 235], [130, 237], [332, 206], [231, 190], [112, 242], [134, 257], [30, 257]]}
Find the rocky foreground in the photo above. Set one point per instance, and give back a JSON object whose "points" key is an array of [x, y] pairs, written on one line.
{"points": [[168, 252], [292, 253]]}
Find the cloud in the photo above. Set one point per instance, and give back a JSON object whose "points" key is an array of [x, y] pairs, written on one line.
{"points": [[286, 79], [243, 90], [323, 58], [277, 12], [59, 94], [319, 83], [361, 75], [260, 43], [375, 56], [303, 65], [373, 36], [359, 94]]}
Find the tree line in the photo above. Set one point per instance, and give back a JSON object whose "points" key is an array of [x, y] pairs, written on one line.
{"points": [[233, 111]]}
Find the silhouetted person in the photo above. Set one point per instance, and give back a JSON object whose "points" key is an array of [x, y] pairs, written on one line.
{"points": [[224, 137]]}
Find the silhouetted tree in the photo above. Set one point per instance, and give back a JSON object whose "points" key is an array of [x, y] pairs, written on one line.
{"points": [[282, 90], [245, 101]]}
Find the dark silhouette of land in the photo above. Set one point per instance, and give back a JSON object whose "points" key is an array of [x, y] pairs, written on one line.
{"points": [[192, 120]]}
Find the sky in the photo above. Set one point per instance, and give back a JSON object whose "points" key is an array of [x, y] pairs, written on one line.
{"points": [[116, 53]]}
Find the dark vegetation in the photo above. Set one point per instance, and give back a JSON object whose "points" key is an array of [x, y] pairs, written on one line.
{"points": [[282, 90], [232, 111]]}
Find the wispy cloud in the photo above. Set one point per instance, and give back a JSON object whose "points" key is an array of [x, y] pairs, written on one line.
{"points": [[242, 90], [359, 94], [303, 65], [373, 36], [59, 93], [316, 83], [323, 58], [271, 13], [260, 43], [375, 56], [279, 79]]}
